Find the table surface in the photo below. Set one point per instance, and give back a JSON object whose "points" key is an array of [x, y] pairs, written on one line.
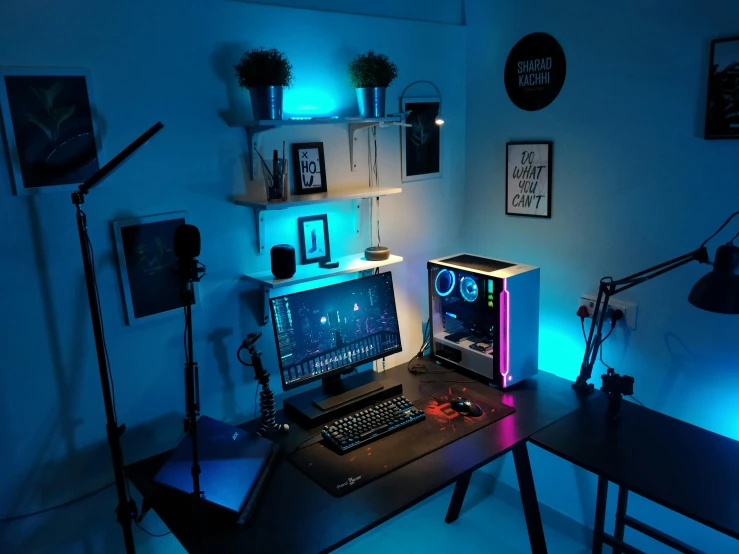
{"points": [[685, 468], [296, 515]]}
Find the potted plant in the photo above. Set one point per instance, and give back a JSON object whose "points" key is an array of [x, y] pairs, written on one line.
{"points": [[371, 74], [265, 73]]}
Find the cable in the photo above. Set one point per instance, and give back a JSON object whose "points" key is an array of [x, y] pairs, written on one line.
{"points": [[62, 505], [379, 241], [102, 328], [150, 533], [733, 239], [256, 391], [601, 358], [582, 324], [91, 253], [419, 354], [732, 216], [301, 447], [184, 339], [427, 393], [635, 399]]}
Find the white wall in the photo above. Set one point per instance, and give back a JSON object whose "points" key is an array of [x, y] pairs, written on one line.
{"points": [[174, 64], [634, 184]]}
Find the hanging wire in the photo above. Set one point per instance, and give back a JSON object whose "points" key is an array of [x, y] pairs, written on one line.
{"points": [[732, 216]]}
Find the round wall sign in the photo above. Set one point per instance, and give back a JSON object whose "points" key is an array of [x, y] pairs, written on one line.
{"points": [[535, 71]]}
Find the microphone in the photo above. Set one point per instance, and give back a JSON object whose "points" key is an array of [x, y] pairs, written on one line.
{"points": [[187, 248]]}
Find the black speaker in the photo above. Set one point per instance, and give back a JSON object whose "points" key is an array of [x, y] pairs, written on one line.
{"points": [[283, 261]]}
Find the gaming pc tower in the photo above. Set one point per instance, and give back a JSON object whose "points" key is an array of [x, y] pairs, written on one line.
{"points": [[485, 316]]}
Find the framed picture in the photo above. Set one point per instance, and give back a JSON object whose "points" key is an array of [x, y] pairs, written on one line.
{"points": [[309, 168], [49, 125], [529, 179], [722, 106], [314, 244], [146, 262], [421, 142]]}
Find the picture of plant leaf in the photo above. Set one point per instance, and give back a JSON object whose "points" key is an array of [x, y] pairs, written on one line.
{"points": [[35, 120], [40, 95], [60, 115], [51, 93]]}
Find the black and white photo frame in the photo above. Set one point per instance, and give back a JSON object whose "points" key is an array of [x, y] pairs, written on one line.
{"points": [[50, 127], [314, 242], [421, 142], [529, 179], [309, 168], [722, 102], [146, 262]]}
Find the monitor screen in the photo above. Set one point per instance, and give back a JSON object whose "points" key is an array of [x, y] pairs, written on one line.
{"points": [[330, 330]]}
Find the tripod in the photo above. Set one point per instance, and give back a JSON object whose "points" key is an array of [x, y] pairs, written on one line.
{"points": [[126, 509], [190, 271], [266, 396]]}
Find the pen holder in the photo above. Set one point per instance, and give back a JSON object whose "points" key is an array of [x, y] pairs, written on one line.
{"points": [[276, 185]]}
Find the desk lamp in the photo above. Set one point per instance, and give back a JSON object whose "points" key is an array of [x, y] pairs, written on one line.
{"points": [[716, 292], [126, 510], [438, 120]]}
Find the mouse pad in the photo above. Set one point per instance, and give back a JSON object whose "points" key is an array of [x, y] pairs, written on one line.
{"points": [[341, 474]]}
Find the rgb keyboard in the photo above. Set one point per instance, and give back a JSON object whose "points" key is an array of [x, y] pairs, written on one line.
{"points": [[372, 423]]}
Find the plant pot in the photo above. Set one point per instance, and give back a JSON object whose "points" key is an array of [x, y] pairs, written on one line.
{"points": [[371, 101], [266, 102]]}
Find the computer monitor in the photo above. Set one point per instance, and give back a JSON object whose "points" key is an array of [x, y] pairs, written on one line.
{"points": [[324, 332]]}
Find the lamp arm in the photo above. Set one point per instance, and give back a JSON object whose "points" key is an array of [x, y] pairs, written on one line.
{"points": [[606, 290]]}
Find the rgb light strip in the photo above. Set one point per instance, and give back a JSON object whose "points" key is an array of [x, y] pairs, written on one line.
{"points": [[504, 336]]}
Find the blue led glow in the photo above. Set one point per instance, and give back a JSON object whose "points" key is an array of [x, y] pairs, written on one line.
{"points": [[468, 289], [307, 102], [450, 314], [444, 282]]}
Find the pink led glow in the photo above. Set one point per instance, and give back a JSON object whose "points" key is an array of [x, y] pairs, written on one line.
{"points": [[504, 335]]}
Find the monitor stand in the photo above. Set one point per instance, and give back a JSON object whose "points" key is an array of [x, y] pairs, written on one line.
{"points": [[339, 397]]}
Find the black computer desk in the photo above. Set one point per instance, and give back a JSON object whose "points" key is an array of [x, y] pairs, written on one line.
{"points": [[296, 515], [684, 468]]}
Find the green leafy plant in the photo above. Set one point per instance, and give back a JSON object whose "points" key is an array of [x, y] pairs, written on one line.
{"points": [[372, 70], [51, 119], [264, 68]]}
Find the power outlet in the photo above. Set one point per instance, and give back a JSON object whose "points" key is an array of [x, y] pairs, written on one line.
{"points": [[628, 308]]}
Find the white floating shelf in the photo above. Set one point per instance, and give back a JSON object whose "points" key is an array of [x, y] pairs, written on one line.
{"points": [[255, 128], [347, 264], [261, 207], [356, 263], [316, 121], [320, 198]]}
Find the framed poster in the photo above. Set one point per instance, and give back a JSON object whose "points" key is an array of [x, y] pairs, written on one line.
{"points": [[309, 168], [421, 142], [49, 127], [722, 106], [529, 179], [314, 243], [146, 262]]}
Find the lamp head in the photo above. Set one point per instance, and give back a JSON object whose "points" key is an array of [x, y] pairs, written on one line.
{"points": [[718, 291], [439, 120]]}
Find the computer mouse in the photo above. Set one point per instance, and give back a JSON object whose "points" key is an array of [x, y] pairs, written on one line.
{"points": [[465, 407]]}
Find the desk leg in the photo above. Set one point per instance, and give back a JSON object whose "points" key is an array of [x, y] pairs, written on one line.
{"points": [[528, 498], [600, 515], [460, 489], [623, 497]]}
